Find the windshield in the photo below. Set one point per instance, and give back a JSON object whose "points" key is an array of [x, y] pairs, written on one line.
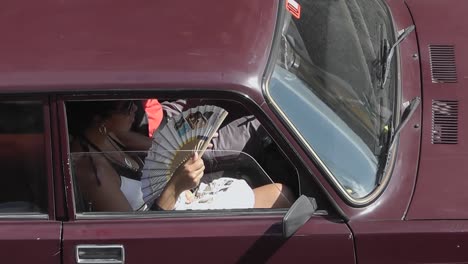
{"points": [[329, 83]]}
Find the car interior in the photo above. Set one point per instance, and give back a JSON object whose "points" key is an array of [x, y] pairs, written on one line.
{"points": [[272, 166]]}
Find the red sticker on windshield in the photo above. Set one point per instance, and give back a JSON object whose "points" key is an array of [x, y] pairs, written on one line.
{"points": [[294, 8]]}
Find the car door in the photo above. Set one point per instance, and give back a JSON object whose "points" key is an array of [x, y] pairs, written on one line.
{"points": [[254, 238], [217, 236], [29, 232]]}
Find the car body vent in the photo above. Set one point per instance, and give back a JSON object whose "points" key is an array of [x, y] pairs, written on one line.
{"points": [[443, 68], [444, 122]]}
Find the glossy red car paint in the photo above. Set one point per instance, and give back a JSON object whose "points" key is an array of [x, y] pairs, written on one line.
{"points": [[441, 191], [85, 46]]}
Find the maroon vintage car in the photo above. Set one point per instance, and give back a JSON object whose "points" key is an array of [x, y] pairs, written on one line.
{"points": [[360, 100]]}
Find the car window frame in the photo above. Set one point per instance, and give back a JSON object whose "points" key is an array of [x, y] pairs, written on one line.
{"points": [[237, 97], [50, 213]]}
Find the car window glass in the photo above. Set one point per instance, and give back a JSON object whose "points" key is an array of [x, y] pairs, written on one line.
{"points": [[227, 183], [327, 81], [113, 171], [23, 188]]}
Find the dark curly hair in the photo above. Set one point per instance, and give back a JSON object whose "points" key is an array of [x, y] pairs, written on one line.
{"points": [[80, 114]]}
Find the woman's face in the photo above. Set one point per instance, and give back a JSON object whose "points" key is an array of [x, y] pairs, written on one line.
{"points": [[122, 117]]}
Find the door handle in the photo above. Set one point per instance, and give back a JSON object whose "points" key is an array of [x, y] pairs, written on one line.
{"points": [[100, 254]]}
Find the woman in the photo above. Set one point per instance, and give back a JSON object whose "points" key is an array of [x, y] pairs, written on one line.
{"points": [[109, 177]]}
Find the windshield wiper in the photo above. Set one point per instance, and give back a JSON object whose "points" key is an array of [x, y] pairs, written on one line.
{"points": [[382, 56], [383, 71], [405, 117], [409, 111], [388, 59]]}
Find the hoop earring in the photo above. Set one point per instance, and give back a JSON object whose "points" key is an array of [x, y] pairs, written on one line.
{"points": [[103, 129]]}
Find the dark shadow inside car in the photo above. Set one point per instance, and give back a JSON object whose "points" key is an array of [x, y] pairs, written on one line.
{"points": [[23, 168]]}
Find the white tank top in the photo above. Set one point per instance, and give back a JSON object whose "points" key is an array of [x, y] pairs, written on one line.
{"points": [[132, 191]]}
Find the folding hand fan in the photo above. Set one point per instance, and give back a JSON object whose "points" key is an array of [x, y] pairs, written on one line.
{"points": [[173, 144]]}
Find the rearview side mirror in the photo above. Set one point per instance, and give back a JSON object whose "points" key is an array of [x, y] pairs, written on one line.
{"points": [[299, 213]]}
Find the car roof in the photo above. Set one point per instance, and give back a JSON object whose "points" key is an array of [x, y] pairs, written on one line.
{"points": [[65, 45]]}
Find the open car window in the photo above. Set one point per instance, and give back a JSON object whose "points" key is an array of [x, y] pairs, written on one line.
{"points": [[113, 171]]}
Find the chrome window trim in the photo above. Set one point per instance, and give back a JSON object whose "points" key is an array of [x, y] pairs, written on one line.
{"points": [[25, 216], [181, 214], [357, 202]]}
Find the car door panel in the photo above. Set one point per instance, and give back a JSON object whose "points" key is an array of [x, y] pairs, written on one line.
{"points": [[30, 241], [247, 239]]}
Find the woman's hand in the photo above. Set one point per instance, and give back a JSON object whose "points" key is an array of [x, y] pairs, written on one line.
{"points": [[188, 175]]}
